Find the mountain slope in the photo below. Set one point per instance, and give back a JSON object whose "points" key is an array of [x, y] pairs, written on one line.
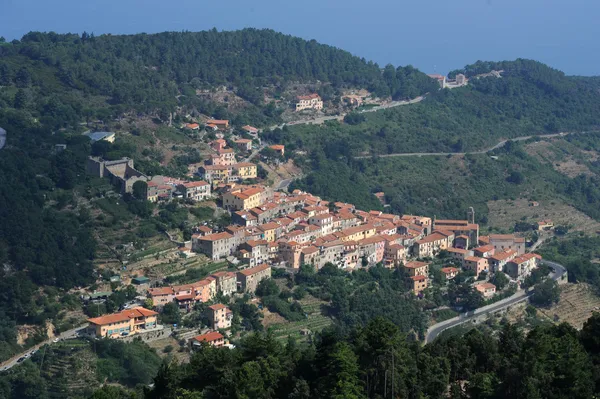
{"points": [[160, 72]]}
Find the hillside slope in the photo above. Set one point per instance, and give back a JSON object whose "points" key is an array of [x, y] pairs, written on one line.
{"points": [[86, 76], [530, 98]]}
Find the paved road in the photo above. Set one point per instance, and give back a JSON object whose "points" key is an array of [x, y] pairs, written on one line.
{"points": [[284, 184], [520, 296], [484, 151], [70, 334], [254, 153]]}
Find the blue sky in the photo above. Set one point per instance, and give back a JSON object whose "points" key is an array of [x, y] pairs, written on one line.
{"points": [[433, 35]]}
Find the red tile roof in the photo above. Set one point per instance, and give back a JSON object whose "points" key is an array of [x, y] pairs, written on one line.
{"points": [[415, 264], [254, 270], [122, 316], [217, 306], [195, 184], [161, 291], [448, 270], [209, 337], [216, 236]]}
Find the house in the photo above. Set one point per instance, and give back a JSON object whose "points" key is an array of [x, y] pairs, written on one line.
{"points": [[159, 192], [216, 173], [244, 144], [220, 124], [215, 246], [308, 255], [484, 251], [449, 272], [219, 316], [250, 130], [522, 266], [394, 254], [419, 284], [500, 259], [192, 126], [224, 156], [213, 338], [195, 190], [430, 245], [244, 170], [358, 233], [416, 268], [205, 289], [311, 101], [226, 282], [161, 296], [544, 225], [488, 290], [278, 148], [218, 144], [502, 242], [243, 199], [126, 322], [249, 279], [476, 264], [254, 252], [374, 246], [271, 231], [324, 221]]}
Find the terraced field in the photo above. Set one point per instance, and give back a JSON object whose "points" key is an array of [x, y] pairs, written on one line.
{"points": [[314, 322], [576, 305]]}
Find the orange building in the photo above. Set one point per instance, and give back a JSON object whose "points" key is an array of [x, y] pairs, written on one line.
{"points": [[212, 338], [126, 322]]}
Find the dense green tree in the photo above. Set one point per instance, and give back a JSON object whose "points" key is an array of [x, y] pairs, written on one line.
{"points": [[267, 287], [139, 190], [500, 280], [546, 293]]}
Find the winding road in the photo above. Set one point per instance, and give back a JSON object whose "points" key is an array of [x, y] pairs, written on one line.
{"points": [[484, 151], [432, 332], [70, 334]]}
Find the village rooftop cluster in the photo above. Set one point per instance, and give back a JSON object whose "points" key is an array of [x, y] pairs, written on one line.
{"points": [[276, 229]]}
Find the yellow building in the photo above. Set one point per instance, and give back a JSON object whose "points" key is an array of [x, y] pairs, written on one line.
{"points": [[270, 230], [243, 199], [216, 173], [245, 170], [359, 232], [126, 322]]}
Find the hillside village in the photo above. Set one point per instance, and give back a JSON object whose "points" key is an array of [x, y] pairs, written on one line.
{"points": [[274, 229]]}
